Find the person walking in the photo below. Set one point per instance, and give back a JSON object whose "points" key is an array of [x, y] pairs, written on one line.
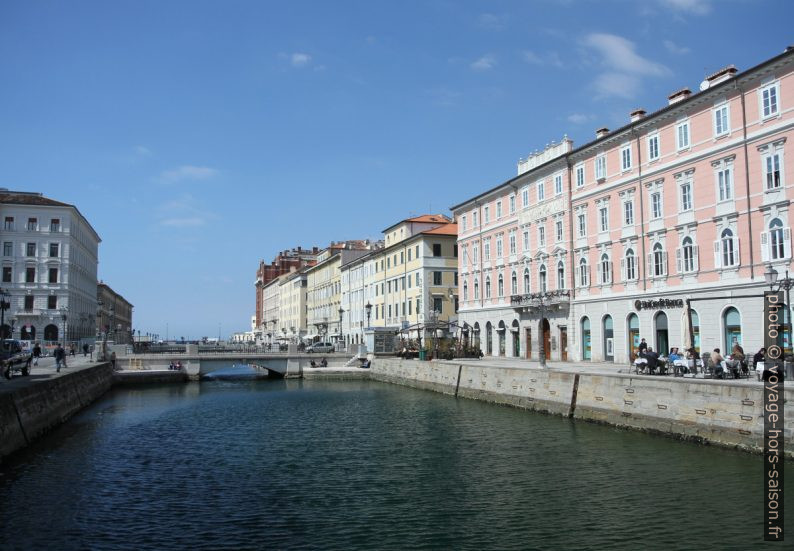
{"points": [[85, 349], [36, 353], [113, 360], [60, 358]]}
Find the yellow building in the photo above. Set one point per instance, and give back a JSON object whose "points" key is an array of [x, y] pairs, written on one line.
{"points": [[292, 318]]}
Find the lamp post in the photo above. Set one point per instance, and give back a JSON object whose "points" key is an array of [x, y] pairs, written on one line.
{"points": [[64, 317], [341, 311], [4, 305], [13, 323], [770, 276], [368, 308]]}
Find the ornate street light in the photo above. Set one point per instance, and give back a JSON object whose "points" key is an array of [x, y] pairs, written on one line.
{"points": [[64, 316], [368, 307], [341, 311], [4, 305], [785, 284]]}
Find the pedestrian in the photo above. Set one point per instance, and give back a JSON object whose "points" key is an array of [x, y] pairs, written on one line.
{"points": [[85, 350], [36, 353], [113, 360], [60, 357], [642, 347], [71, 349]]}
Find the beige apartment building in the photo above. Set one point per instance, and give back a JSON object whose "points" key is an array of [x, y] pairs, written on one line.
{"points": [[292, 295]]}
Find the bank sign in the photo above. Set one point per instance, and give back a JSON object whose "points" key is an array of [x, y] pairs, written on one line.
{"points": [[661, 303]]}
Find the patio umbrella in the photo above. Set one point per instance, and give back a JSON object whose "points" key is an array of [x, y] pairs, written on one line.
{"points": [[685, 334]]}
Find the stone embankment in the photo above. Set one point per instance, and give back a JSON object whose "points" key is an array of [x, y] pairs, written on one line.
{"points": [[724, 413]]}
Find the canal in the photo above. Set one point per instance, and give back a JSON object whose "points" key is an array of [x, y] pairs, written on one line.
{"points": [[364, 465]]}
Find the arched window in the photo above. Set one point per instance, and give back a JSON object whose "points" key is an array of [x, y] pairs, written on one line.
{"points": [[605, 269], [501, 286], [526, 281], [560, 275], [776, 239], [728, 248], [476, 289], [659, 260], [465, 291], [688, 253], [732, 322], [630, 265], [584, 273], [542, 281], [488, 287], [609, 338], [514, 283], [587, 345]]}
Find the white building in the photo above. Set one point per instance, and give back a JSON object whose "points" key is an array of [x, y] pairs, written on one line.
{"points": [[49, 268]]}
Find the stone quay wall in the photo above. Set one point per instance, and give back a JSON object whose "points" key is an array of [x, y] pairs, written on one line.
{"points": [[27, 412], [709, 411]]}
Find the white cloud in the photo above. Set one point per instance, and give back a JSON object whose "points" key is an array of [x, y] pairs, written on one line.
{"points": [[616, 84], [695, 7], [485, 63], [183, 212], [673, 48], [190, 222], [188, 172], [618, 53], [299, 59], [548, 58], [492, 21], [579, 118]]}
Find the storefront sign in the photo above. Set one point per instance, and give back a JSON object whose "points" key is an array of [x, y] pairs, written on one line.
{"points": [[660, 303]]}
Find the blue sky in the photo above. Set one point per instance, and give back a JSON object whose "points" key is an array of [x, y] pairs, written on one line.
{"points": [[200, 137]]}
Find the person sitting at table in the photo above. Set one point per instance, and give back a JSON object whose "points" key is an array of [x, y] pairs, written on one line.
{"points": [[640, 362], [718, 361], [678, 360], [737, 353], [759, 356], [311, 363], [653, 359], [732, 366]]}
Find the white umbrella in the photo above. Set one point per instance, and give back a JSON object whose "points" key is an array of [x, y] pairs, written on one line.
{"points": [[685, 334]]}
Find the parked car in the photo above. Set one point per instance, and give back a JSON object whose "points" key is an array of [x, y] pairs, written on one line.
{"points": [[320, 348], [14, 358]]}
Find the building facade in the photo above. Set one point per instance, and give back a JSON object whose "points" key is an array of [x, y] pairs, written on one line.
{"points": [[689, 204], [49, 269], [285, 261], [114, 315], [292, 319]]}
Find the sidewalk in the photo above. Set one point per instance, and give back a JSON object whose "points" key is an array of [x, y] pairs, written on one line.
{"points": [[45, 370]]}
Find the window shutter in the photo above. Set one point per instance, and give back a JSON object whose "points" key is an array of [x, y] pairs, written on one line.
{"points": [[649, 271], [588, 275], [765, 246], [717, 258], [610, 271], [786, 242], [679, 267], [599, 272], [738, 256], [623, 269], [695, 260], [664, 262]]}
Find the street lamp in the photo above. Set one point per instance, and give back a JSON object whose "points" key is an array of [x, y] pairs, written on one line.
{"points": [[4, 305], [770, 276], [341, 311], [368, 307], [64, 317]]}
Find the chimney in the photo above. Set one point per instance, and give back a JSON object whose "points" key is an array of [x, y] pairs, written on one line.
{"points": [[601, 132], [723, 74], [678, 95], [637, 114]]}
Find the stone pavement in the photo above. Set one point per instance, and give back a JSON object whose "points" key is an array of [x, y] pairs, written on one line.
{"points": [[45, 370]]}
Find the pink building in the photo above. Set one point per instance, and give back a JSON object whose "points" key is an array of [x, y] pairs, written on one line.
{"points": [[588, 250]]}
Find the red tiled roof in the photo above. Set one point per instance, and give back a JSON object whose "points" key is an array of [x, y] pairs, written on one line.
{"points": [[446, 229], [22, 198]]}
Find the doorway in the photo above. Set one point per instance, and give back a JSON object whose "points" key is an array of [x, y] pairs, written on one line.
{"points": [[545, 329], [634, 336], [662, 337], [587, 345], [609, 339], [564, 344], [516, 339], [529, 342]]}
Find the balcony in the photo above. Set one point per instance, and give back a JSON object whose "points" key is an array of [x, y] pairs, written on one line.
{"points": [[557, 299]]}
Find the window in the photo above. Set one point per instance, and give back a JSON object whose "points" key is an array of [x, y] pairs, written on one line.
{"points": [[53, 275], [410, 307], [436, 249], [558, 230], [402, 257], [584, 273], [558, 184], [603, 219], [769, 105], [499, 250], [410, 251], [582, 225], [30, 249], [455, 250], [488, 287], [29, 302], [388, 262], [682, 135], [730, 256], [630, 265], [686, 195], [772, 170], [500, 286], [542, 278], [473, 219], [560, 275], [625, 158], [653, 147], [436, 278], [658, 261], [580, 176], [525, 197], [512, 204], [721, 120], [32, 224], [526, 281], [486, 250], [628, 213], [656, 204], [776, 243], [513, 283], [486, 214], [55, 225], [687, 261], [605, 270], [526, 240], [541, 190], [724, 184], [417, 281], [437, 304], [465, 292], [476, 292], [601, 167], [9, 223], [7, 274], [417, 251], [512, 240], [455, 278], [498, 210], [8, 248], [541, 236], [475, 253], [462, 228], [30, 275]]}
